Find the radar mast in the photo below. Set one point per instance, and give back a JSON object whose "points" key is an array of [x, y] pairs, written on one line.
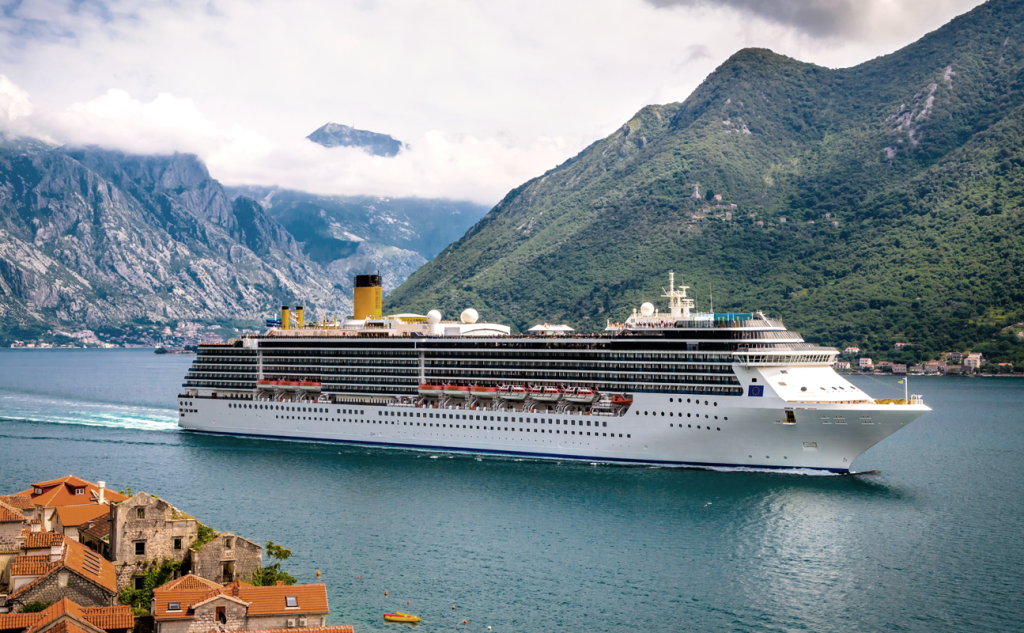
{"points": [[678, 303]]}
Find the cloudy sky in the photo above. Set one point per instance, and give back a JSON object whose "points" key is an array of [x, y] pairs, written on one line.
{"points": [[487, 94]]}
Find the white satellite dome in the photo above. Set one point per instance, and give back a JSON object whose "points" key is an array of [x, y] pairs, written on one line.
{"points": [[469, 315], [434, 317], [647, 309]]}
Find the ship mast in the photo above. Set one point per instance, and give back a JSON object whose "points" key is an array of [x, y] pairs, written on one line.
{"points": [[678, 303]]}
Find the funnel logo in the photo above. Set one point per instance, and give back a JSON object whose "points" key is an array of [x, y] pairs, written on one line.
{"points": [[755, 391]]}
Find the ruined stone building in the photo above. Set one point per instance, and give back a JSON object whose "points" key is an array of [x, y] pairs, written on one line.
{"points": [[145, 529], [227, 558], [197, 605]]}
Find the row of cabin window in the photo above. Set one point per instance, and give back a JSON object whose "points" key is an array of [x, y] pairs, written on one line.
{"points": [[486, 418]]}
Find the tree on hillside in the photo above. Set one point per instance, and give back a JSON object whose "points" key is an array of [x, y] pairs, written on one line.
{"points": [[271, 574]]}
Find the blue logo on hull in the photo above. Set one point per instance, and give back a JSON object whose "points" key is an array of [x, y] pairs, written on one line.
{"points": [[755, 391]]}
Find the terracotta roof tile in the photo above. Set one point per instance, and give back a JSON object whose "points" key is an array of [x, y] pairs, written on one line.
{"points": [[68, 626], [19, 501], [191, 590], [61, 492], [77, 515], [18, 621], [62, 607], [10, 514], [89, 564], [271, 600], [110, 618], [40, 540], [25, 565], [98, 529]]}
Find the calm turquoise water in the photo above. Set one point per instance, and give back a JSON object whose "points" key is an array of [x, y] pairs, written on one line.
{"points": [[933, 543]]}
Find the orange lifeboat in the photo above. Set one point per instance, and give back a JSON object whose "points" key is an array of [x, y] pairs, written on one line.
{"points": [[429, 390], [486, 393], [455, 391]]}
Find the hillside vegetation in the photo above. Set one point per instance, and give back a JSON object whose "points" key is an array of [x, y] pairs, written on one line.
{"points": [[891, 196]]}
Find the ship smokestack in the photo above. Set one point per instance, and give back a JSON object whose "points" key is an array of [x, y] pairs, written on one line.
{"points": [[299, 316], [285, 318], [368, 298]]}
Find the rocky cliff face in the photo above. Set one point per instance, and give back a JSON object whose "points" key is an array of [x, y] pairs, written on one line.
{"points": [[94, 238]]}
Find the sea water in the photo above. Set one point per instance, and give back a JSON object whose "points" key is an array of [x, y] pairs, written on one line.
{"points": [[933, 542]]}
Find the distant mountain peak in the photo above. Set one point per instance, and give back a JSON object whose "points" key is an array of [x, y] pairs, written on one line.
{"points": [[337, 135]]}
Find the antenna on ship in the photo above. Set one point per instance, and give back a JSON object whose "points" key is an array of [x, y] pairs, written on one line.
{"points": [[711, 294], [678, 303]]}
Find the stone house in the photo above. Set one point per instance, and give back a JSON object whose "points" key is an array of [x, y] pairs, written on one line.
{"points": [[956, 357], [12, 536], [145, 528], [899, 369], [196, 605], [974, 360], [71, 570], [226, 558], [65, 616]]}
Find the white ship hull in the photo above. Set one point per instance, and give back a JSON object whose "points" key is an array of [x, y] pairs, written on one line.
{"points": [[747, 432]]}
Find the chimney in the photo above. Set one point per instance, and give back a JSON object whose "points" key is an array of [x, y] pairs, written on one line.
{"points": [[103, 489], [234, 590], [280, 583]]}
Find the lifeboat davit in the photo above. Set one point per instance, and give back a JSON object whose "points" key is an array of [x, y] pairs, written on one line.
{"points": [[546, 394], [455, 391], [581, 395], [514, 393], [430, 390], [486, 393]]}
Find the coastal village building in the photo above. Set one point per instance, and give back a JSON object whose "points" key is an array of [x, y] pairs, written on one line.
{"points": [[67, 492], [852, 350], [13, 530], [841, 364], [65, 616], [55, 567], [145, 528], [226, 558], [865, 363], [974, 360], [899, 369], [192, 604], [956, 357]]}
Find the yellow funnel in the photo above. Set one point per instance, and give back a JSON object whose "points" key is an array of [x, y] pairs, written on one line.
{"points": [[369, 297], [285, 318], [299, 316]]}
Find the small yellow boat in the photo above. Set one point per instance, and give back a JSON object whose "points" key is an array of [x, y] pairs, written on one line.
{"points": [[398, 616]]}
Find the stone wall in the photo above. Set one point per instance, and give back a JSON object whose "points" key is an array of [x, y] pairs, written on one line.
{"points": [[263, 623], [241, 556], [10, 537], [65, 583], [164, 531]]}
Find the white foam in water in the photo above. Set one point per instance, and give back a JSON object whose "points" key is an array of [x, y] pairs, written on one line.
{"points": [[48, 410]]}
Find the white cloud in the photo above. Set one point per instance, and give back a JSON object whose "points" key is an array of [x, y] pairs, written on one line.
{"points": [[14, 104], [486, 94]]}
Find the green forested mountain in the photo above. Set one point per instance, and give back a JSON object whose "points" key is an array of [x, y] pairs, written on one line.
{"points": [[890, 193]]}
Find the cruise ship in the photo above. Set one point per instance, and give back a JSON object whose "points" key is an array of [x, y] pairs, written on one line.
{"points": [[673, 388]]}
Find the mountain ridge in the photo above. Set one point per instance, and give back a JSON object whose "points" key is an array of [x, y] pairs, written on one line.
{"points": [[869, 182]]}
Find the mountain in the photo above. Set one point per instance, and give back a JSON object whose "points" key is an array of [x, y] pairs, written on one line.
{"points": [[129, 244], [336, 135], [865, 206]]}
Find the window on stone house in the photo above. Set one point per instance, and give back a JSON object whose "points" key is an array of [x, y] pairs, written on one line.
{"points": [[177, 543], [79, 491], [140, 513], [139, 582], [227, 543], [229, 571], [140, 548]]}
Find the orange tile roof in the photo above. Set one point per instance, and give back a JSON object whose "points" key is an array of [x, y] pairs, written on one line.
{"points": [[61, 492], [18, 621], [25, 565], [40, 540], [68, 626], [19, 501], [10, 515], [191, 590], [107, 618], [89, 564], [270, 600], [110, 618], [77, 515]]}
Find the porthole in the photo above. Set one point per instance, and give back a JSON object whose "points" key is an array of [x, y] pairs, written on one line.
{"points": [[687, 415], [687, 401], [716, 404], [698, 426], [670, 400], [718, 429], [662, 414]]}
